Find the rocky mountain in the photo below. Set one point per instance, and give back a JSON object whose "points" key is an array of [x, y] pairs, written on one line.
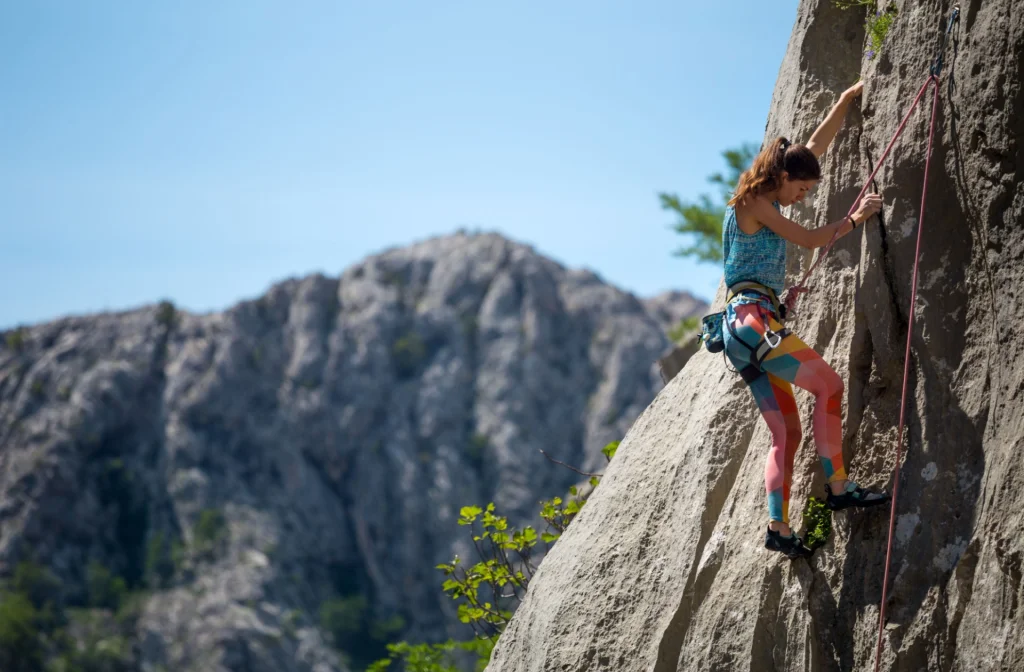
{"points": [[672, 307], [665, 568], [262, 488]]}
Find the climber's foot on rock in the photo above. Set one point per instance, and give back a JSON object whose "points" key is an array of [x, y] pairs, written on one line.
{"points": [[791, 546], [854, 496]]}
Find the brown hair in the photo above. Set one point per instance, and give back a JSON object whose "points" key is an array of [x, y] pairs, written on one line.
{"points": [[765, 173]]}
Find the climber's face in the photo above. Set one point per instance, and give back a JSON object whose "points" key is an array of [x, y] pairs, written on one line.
{"points": [[793, 191]]}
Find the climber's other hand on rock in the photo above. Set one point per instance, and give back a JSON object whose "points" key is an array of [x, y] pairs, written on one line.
{"points": [[869, 205], [853, 91]]}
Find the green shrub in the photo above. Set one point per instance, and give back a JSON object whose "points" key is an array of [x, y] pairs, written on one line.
{"points": [[177, 555], [290, 623], [502, 574], [210, 531], [15, 339], [470, 326], [384, 630], [877, 24], [21, 649], [101, 647], [878, 27], [105, 590], [817, 523], [350, 627], [159, 561], [166, 315], [37, 583], [685, 327], [609, 450], [408, 353], [132, 606], [342, 619], [418, 658], [476, 450]]}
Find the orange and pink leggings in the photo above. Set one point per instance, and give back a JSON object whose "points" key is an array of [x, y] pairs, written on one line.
{"points": [[792, 362]]}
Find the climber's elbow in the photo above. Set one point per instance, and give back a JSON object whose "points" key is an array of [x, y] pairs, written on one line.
{"points": [[809, 241]]}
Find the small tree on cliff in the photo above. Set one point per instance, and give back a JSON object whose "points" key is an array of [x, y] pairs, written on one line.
{"points": [[489, 591], [701, 221]]}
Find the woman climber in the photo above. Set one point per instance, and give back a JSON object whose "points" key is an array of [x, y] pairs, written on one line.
{"points": [[768, 357]]}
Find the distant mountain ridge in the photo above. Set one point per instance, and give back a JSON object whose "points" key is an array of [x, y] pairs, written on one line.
{"points": [[240, 469]]}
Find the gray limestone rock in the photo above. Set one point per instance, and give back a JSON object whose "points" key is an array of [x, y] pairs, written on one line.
{"points": [[664, 569]]}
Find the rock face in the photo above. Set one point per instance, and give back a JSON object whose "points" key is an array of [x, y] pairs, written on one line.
{"points": [[315, 443], [665, 570]]}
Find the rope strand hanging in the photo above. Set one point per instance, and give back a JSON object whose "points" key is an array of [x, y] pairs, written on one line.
{"points": [[933, 80], [794, 292]]}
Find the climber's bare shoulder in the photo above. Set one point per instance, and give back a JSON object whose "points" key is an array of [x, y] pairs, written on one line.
{"points": [[757, 212]]}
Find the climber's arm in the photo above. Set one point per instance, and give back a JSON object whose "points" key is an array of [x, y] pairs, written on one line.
{"points": [[766, 214], [822, 137]]}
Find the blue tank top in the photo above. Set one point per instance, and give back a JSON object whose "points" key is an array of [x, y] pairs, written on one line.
{"points": [[760, 257]]}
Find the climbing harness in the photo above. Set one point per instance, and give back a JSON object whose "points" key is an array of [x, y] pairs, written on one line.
{"points": [[712, 337], [750, 285], [768, 342], [771, 339]]}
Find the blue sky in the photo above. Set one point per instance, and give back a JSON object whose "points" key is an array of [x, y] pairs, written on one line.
{"points": [[203, 151]]}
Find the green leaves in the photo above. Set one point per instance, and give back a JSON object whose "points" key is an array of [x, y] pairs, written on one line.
{"points": [[210, 531], [487, 590], [21, 647], [468, 514], [701, 221], [434, 657], [609, 450], [105, 590], [686, 326], [877, 24], [558, 513], [817, 523], [407, 353]]}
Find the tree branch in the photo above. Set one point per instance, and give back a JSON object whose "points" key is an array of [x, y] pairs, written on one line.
{"points": [[568, 466]]}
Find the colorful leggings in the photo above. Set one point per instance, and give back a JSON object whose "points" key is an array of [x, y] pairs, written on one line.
{"points": [[791, 362]]}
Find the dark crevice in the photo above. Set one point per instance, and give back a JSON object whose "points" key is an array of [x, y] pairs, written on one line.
{"points": [[963, 578], [888, 266]]}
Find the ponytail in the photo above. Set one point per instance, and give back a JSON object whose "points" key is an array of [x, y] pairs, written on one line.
{"points": [[765, 173]]}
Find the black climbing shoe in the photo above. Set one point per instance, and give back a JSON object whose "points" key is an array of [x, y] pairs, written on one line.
{"points": [[792, 546], [854, 495]]}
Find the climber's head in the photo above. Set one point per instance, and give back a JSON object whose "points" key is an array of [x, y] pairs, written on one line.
{"points": [[783, 170]]}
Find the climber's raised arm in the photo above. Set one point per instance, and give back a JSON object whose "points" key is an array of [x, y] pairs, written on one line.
{"points": [[823, 136]]}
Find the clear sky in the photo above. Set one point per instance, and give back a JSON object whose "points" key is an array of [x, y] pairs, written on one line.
{"points": [[201, 151]]}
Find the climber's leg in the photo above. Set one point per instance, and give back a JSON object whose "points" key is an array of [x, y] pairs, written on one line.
{"points": [[795, 362], [774, 398]]}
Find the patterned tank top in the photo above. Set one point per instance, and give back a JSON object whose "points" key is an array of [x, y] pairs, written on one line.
{"points": [[760, 257]]}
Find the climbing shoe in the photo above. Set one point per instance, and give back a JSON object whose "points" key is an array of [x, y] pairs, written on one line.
{"points": [[853, 495], [791, 546]]}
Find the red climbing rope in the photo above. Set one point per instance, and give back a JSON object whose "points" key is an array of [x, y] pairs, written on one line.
{"points": [[795, 291], [932, 79]]}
